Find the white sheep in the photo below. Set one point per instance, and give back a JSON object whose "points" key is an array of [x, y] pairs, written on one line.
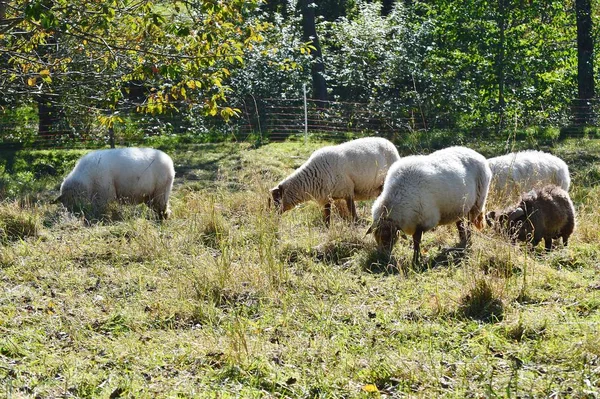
{"points": [[132, 175], [519, 172], [423, 191], [351, 171]]}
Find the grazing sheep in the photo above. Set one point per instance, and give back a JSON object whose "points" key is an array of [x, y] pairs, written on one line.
{"points": [[354, 170], [132, 175], [423, 191], [545, 212], [519, 172]]}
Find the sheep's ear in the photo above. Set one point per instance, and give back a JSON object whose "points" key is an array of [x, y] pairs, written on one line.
{"points": [[490, 217], [370, 230], [277, 193], [516, 214]]}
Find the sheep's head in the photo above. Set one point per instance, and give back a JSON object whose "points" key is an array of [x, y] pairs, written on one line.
{"points": [[520, 225], [490, 218], [281, 199], [276, 197], [73, 195], [385, 232], [514, 223]]}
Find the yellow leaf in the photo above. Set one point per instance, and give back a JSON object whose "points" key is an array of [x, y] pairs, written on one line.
{"points": [[31, 81], [370, 388], [45, 72]]}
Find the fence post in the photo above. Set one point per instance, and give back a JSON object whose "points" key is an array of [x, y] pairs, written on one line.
{"points": [[305, 115], [257, 118]]}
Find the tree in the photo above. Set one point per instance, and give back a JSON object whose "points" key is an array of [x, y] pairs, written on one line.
{"points": [[87, 53], [585, 62], [307, 9]]}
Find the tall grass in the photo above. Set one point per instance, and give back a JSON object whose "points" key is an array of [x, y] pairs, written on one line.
{"points": [[229, 299]]}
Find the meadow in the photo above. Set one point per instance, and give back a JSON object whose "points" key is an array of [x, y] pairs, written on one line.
{"points": [[229, 299]]}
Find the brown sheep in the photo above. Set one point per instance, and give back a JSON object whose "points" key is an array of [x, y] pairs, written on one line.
{"points": [[545, 212]]}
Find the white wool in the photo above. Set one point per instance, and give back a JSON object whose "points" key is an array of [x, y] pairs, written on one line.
{"points": [[516, 173], [355, 169], [133, 175], [424, 191]]}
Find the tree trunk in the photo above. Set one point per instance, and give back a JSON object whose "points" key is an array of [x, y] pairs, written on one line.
{"points": [[276, 6], [310, 34], [3, 9], [583, 112], [47, 108], [500, 63], [386, 8], [47, 114]]}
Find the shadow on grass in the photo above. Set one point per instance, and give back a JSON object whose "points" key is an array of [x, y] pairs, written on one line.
{"points": [[381, 262], [447, 257], [482, 303], [87, 216], [214, 158], [377, 261], [336, 252]]}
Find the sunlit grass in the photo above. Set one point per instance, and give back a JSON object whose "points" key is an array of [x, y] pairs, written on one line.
{"points": [[229, 299]]}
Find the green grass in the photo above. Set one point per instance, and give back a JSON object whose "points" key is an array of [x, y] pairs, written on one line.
{"points": [[228, 299]]}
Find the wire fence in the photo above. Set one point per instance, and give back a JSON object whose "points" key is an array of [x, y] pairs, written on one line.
{"points": [[273, 119], [278, 119]]}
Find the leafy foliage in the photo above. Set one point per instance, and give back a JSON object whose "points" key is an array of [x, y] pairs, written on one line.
{"points": [[153, 54], [446, 63], [276, 67], [148, 67]]}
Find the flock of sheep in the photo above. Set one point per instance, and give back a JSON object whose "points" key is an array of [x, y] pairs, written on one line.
{"points": [[414, 194]]}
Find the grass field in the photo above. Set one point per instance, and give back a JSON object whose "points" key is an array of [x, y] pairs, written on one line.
{"points": [[228, 299]]}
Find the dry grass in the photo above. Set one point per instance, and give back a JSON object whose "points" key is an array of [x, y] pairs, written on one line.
{"points": [[228, 299]]}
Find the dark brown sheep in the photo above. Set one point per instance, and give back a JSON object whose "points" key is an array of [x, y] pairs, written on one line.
{"points": [[546, 213]]}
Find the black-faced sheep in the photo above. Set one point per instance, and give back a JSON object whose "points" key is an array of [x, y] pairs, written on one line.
{"points": [[545, 212], [423, 191], [132, 175], [351, 171], [519, 172]]}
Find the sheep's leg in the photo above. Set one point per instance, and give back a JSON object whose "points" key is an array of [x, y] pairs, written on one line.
{"points": [[568, 229], [352, 208], [417, 246], [464, 232], [327, 214], [535, 241], [537, 237], [548, 243]]}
